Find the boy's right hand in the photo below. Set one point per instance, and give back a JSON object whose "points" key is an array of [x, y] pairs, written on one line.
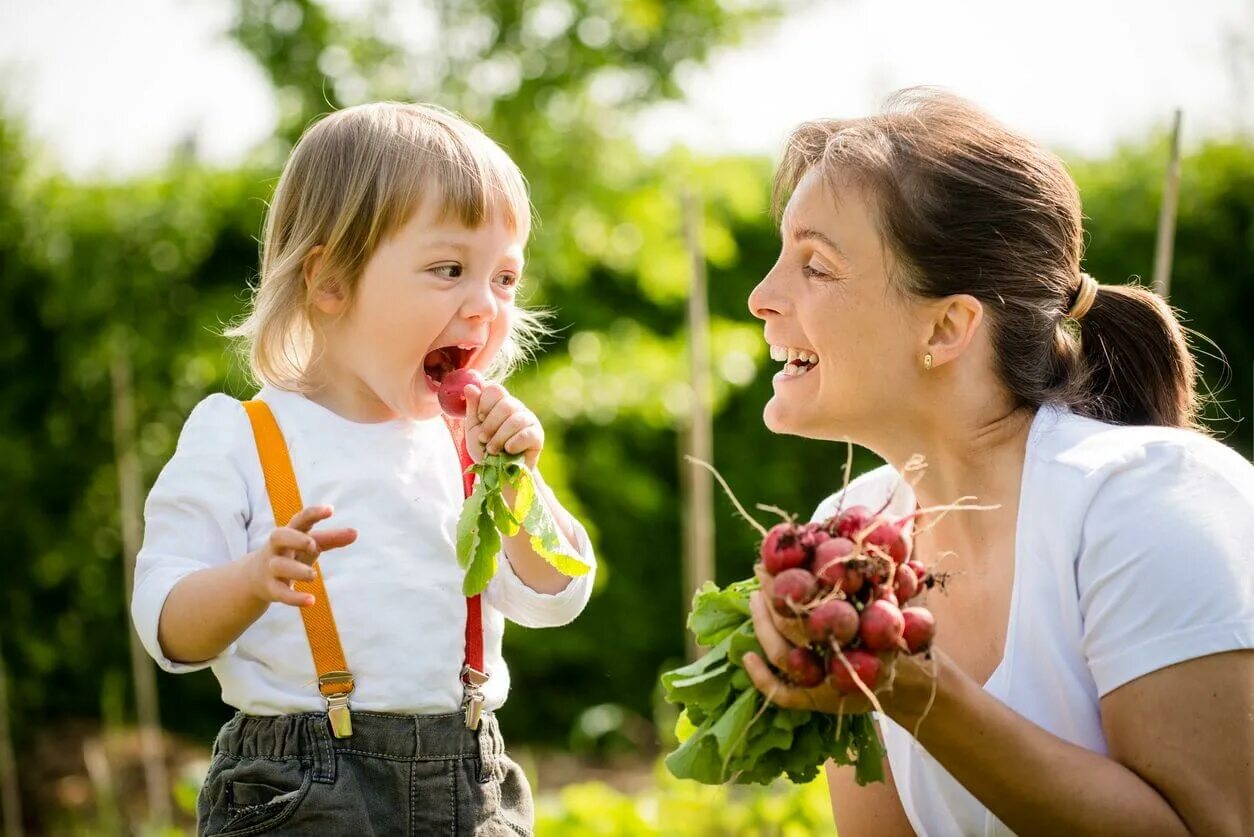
{"points": [[288, 555]]}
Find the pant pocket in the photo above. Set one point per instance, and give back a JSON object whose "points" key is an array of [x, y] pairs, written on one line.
{"points": [[252, 796]]}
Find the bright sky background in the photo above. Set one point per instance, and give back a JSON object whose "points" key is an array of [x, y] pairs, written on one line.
{"points": [[112, 86]]}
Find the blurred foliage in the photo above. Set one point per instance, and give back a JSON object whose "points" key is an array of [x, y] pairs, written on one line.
{"points": [[674, 808], [153, 267]]}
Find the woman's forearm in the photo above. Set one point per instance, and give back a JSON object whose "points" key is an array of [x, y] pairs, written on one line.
{"points": [[207, 611], [1032, 780]]}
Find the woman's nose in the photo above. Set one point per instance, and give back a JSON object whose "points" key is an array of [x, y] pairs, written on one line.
{"points": [[764, 300]]}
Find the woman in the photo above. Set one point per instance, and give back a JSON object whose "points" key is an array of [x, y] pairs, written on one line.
{"points": [[1093, 670]]}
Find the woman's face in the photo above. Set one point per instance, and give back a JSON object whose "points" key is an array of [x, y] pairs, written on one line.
{"points": [[850, 342]]}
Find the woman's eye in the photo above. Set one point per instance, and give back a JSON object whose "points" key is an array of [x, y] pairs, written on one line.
{"points": [[448, 271], [811, 272]]}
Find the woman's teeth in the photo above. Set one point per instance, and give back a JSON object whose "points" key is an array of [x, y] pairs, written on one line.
{"points": [[796, 361]]}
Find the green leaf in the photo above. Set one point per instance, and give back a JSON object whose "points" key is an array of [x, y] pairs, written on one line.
{"points": [[716, 613], [526, 491], [483, 565], [712, 658], [869, 766], [540, 524], [505, 519], [709, 688], [468, 526], [731, 730], [744, 641], [697, 758]]}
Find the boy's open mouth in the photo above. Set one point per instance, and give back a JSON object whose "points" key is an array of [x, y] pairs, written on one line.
{"points": [[439, 362]]}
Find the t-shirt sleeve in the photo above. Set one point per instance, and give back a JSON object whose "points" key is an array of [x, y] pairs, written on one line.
{"points": [[1166, 566], [196, 516]]}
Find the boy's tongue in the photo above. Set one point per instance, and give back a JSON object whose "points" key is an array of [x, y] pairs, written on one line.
{"points": [[440, 362]]}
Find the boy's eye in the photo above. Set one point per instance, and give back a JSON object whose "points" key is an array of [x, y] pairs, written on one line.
{"points": [[448, 271], [507, 280]]}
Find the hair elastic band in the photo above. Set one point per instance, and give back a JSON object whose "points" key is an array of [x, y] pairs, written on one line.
{"points": [[1084, 296]]}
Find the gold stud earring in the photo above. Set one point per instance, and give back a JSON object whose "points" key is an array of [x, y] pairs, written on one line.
{"points": [[927, 361]]}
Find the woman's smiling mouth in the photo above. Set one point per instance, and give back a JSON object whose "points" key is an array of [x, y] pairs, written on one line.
{"points": [[796, 362]]}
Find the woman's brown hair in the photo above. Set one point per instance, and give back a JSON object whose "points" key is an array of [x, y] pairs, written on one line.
{"points": [[970, 207]]}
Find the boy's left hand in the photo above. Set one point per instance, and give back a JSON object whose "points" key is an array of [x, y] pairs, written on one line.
{"points": [[497, 421]]}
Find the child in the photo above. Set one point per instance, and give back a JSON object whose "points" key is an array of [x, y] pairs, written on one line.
{"points": [[392, 254]]}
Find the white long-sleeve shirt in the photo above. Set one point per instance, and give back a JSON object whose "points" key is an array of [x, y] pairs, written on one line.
{"points": [[395, 593], [1134, 550]]}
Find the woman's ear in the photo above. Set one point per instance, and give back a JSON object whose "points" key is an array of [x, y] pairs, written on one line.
{"points": [[324, 292], [954, 323]]}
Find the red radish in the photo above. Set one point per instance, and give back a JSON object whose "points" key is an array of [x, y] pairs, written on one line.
{"points": [[782, 549], [905, 583], [852, 521], [829, 560], [865, 664], [884, 593], [891, 538], [876, 570], [853, 580], [881, 625], [812, 537], [920, 571], [804, 668], [835, 620], [920, 628], [792, 589], [452, 392]]}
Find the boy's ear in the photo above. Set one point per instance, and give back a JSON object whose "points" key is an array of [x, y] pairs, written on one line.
{"points": [[324, 292], [955, 320]]}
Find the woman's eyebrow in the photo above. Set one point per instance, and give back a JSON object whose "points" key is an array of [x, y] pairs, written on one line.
{"points": [[807, 234]]}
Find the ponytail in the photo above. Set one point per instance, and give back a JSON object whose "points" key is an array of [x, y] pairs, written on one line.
{"points": [[1136, 360]]}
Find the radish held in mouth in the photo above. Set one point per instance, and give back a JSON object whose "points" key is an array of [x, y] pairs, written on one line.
{"points": [[452, 393]]}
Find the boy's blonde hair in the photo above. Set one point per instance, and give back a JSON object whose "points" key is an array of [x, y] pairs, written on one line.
{"points": [[352, 180]]}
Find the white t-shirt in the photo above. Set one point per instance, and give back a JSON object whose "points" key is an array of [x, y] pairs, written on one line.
{"points": [[395, 593], [1134, 550]]}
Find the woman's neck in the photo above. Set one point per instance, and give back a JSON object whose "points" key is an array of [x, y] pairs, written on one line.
{"points": [[977, 454]]}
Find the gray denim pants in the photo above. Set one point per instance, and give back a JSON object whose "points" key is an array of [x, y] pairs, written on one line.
{"points": [[396, 774]]}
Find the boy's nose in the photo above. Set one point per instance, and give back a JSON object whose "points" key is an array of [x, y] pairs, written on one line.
{"points": [[481, 304]]}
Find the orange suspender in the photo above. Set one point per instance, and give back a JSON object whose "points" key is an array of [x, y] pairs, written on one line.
{"points": [[335, 681]]}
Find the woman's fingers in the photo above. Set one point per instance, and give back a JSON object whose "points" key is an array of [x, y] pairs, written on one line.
{"points": [[772, 641], [776, 691], [792, 628]]}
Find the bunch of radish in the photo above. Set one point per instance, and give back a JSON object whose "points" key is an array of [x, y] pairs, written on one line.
{"points": [[847, 582]]}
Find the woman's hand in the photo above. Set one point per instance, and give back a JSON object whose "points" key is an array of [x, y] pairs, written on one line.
{"points": [[497, 421], [906, 687]]}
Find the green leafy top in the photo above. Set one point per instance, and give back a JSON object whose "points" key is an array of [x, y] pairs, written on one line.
{"points": [[485, 516], [738, 737]]}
